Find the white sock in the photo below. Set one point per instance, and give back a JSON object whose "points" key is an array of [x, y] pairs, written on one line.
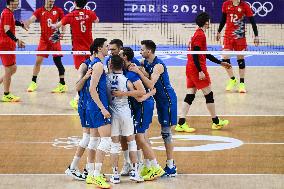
{"points": [[75, 162], [126, 157], [140, 156], [170, 163], [90, 168], [98, 168], [115, 170], [154, 163], [147, 163]]}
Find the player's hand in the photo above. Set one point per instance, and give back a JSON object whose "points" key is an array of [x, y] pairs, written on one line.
{"points": [[256, 41], [134, 68], [53, 26], [88, 74], [153, 91], [21, 44], [201, 75], [105, 113], [226, 65], [55, 37], [26, 25], [218, 36]]}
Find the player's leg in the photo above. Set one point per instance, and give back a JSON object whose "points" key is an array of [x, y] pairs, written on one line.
{"points": [[126, 168], [61, 87], [241, 46]]}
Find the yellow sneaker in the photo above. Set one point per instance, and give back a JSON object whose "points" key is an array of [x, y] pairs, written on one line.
{"points": [[184, 128], [74, 104], [10, 98], [242, 88], [32, 87], [153, 173], [232, 83], [144, 171], [220, 125], [99, 181], [60, 88]]}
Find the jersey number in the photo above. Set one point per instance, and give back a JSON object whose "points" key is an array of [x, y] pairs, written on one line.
{"points": [[83, 27], [49, 22], [234, 18]]}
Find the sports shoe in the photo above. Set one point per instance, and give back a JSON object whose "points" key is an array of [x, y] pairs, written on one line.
{"points": [[74, 104], [10, 98], [85, 173], [98, 181], [74, 174], [134, 176], [32, 87], [170, 172], [242, 88], [232, 83], [184, 128], [144, 171], [220, 125], [154, 173], [115, 178], [60, 88], [125, 169]]}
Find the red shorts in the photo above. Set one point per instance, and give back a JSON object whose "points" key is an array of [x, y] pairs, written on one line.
{"points": [[48, 46], [235, 44], [79, 59], [8, 59], [192, 79]]}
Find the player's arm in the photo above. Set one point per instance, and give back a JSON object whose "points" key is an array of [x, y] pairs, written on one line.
{"points": [[97, 20], [146, 96], [137, 89], [221, 26], [217, 61], [95, 78], [255, 30], [84, 75], [10, 34], [31, 20]]}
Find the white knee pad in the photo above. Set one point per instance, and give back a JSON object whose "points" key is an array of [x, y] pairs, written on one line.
{"points": [[85, 140], [94, 143], [132, 147], [105, 144], [115, 148]]}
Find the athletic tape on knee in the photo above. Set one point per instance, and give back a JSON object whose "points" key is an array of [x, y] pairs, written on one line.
{"points": [[105, 144], [242, 64], [166, 135], [59, 65], [85, 140], [115, 148], [226, 60], [209, 98], [189, 98], [132, 147], [94, 142]]}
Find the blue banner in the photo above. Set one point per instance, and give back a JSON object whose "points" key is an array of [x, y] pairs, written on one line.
{"points": [[157, 11]]}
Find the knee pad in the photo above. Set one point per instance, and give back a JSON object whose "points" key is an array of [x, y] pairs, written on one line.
{"points": [[132, 147], [94, 142], [59, 65], [105, 144], [189, 98], [242, 64], [209, 98], [226, 60], [115, 148], [166, 135], [85, 140]]}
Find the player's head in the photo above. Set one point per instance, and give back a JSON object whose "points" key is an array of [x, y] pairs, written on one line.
{"points": [[80, 3], [115, 46], [99, 46], [148, 47], [126, 54], [116, 63], [203, 20], [13, 4], [49, 3]]}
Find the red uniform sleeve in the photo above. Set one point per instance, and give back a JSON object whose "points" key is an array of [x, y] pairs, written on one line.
{"points": [[61, 13], [224, 7], [248, 11], [7, 18], [93, 16], [37, 13], [66, 19]]}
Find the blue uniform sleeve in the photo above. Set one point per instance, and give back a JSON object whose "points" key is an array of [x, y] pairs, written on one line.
{"points": [[135, 61], [132, 76], [107, 61]]}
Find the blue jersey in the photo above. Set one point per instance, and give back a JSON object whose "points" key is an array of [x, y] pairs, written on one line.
{"points": [[82, 103], [101, 89], [165, 91]]}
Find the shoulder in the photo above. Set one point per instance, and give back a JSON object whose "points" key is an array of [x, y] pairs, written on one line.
{"points": [[245, 4], [58, 9], [135, 61], [132, 76]]}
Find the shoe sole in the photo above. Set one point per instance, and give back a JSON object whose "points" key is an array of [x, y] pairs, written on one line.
{"points": [[74, 177], [135, 180]]}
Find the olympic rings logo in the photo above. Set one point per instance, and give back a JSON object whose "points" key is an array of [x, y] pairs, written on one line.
{"points": [[70, 6], [261, 9]]}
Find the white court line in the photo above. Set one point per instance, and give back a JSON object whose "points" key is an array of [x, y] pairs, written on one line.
{"points": [[263, 143]]}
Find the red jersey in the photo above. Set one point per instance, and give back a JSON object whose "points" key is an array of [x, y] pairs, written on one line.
{"points": [[81, 21], [47, 18], [7, 18], [235, 20], [198, 39]]}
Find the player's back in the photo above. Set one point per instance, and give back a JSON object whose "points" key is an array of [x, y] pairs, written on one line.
{"points": [[7, 18], [118, 105], [81, 22]]}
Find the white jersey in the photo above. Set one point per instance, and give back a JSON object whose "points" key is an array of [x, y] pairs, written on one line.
{"points": [[118, 105]]}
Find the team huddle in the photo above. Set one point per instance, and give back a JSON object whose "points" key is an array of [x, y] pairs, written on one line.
{"points": [[117, 93]]}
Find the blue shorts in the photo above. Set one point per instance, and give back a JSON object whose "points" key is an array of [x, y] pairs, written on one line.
{"points": [[167, 112], [84, 117], [143, 114], [96, 118]]}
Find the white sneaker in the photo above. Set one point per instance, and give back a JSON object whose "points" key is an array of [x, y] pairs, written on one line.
{"points": [[134, 176], [125, 169], [115, 179], [74, 174]]}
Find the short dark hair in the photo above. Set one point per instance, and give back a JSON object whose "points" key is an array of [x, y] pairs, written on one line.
{"points": [[9, 1], [81, 3], [118, 43], [202, 18], [149, 44], [128, 52], [98, 42], [116, 62]]}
